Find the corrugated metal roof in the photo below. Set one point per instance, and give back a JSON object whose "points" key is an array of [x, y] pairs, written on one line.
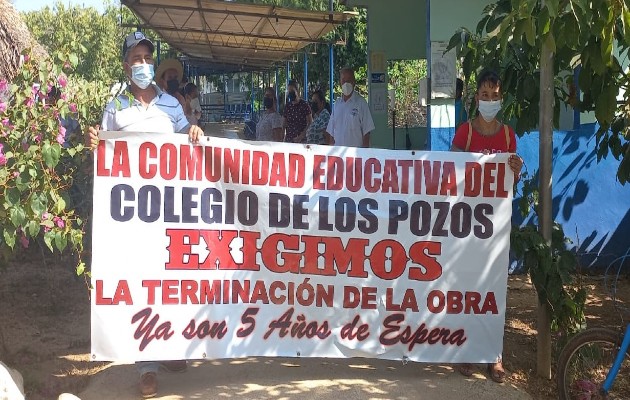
{"points": [[234, 35]]}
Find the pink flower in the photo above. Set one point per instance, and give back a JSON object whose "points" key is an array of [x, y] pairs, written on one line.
{"points": [[3, 85], [67, 65], [35, 89], [26, 58], [63, 81], [61, 137], [46, 229], [59, 222], [16, 174], [6, 122], [24, 241], [38, 138], [45, 216], [72, 107], [29, 102], [3, 158], [63, 96], [3, 106]]}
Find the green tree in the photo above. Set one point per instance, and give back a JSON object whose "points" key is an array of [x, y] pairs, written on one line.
{"points": [[41, 158], [591, 36], [537, 45], [94, 37]]}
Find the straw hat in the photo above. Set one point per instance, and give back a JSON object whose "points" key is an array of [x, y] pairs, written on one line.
{"points": [[170, 63]]}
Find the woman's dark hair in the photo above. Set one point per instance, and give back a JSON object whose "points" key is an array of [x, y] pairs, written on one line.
{"points": [[189, 88], [272, 91], [488, 76], [294, 84], [322, 98]]}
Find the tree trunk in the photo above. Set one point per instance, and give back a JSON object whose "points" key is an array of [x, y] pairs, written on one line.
{"points": [[543, 352]]}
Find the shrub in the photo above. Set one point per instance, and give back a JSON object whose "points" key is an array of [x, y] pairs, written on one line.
{"points": [[44, 168]]}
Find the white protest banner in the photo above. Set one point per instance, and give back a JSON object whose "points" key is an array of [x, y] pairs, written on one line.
{"points": [[230, 249]]}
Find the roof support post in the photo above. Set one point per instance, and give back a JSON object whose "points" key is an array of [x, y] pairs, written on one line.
{"points": [[225, 96], [276, 84], [159, 51], [306, 76], [331, 63], [251, 93], [331, 72], [286, 88]]}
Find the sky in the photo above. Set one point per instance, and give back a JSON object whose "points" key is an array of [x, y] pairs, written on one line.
{"points": [[32, 5]]}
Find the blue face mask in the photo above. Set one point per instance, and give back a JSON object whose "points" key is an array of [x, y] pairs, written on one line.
{"points": [[142, 75]]}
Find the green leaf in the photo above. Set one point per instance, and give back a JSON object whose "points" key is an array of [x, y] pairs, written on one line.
{"points": [[51, 154], [39, 203], [81, 268], [482, 24], [60, 205], [606, 105], [33, 228], [608, 33], [625, 19], [530, 32], [60, 241], [455, 42], [9, 237], [13, 196], [552, 6], [583, 4], [48, 239], [74, 60], [17, 216], [493, 23]]}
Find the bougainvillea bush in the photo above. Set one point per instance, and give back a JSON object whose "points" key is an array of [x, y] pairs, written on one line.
{"points": [[44, 167]]}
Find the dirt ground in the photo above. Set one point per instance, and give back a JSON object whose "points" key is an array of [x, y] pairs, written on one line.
{"points": [[45, 327]]}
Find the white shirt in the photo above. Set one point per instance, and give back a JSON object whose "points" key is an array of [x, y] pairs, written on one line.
{"points": [[267, 123], [350, 121], [164, 114]]}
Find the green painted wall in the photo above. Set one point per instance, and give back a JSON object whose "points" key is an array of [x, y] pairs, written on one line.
{"points": [[398, 29], [447, 16]]}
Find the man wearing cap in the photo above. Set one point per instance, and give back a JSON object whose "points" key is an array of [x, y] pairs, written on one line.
{"points": [[144, 107], [168, 76]]}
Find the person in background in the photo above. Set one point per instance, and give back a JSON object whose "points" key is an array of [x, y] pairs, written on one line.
{"points": [[269, 126], [351, 122], [460, 107], [168, 76], [297, 115], [316, 133], [192, 107], [144, 107], [486, 134]]}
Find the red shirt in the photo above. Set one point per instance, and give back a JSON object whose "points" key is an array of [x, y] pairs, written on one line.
{"points": [[479, 143]]}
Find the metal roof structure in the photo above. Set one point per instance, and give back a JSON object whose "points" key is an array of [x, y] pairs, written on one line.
{"points": [[229, 36]]}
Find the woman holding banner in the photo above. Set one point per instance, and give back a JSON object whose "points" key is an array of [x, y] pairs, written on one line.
{"points": [[486, 134]]}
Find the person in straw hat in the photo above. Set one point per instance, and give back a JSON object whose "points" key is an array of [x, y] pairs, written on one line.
{"points": [[168, 76]]}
